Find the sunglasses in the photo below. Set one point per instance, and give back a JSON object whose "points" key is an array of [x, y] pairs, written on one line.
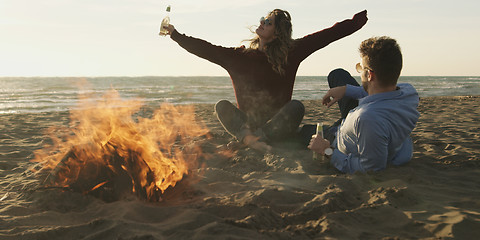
{"points": [[265, 21], [360, 68]]}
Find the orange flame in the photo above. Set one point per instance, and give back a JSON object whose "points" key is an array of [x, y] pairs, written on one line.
{"points": [[107, 150]]}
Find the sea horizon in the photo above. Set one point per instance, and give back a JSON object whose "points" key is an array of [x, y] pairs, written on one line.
{"points": [[44, 94]]}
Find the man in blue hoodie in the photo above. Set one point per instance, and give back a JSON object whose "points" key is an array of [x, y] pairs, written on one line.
{"points": [[377, 131]]}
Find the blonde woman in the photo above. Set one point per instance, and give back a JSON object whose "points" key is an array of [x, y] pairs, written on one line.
{"points": [[263, 76]]}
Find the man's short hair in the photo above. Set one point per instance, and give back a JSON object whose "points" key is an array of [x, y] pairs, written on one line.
{"points": [[384, 57]]}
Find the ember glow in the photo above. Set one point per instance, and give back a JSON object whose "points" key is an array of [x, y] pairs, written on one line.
{"points": [[107, 151]]}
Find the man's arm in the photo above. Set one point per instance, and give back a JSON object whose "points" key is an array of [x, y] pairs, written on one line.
{"points": [[370, 151], [334, 95], [355, 92]]}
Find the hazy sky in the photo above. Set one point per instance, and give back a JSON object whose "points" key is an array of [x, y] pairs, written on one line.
{"points": [[120, 37]]}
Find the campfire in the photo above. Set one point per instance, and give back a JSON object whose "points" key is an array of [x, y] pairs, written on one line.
{"points": [[109, 151]]}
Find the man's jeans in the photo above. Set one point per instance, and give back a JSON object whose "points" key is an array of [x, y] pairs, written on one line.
{"points": [[336, 78]]}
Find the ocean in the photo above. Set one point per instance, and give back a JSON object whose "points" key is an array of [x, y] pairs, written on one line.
{"points": [[46, 94]]}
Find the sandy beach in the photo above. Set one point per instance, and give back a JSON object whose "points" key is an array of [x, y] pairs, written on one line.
{"points": [[245, 194]]}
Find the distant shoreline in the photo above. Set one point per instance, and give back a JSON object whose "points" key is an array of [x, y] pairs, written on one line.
{"points": [[61, 93]]}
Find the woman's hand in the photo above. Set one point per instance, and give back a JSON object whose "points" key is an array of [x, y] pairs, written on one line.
{"points": [[361, 17], [333, 95], [170, 29]]}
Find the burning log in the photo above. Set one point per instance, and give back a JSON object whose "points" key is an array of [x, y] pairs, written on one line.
{"points": [[109, 179], [108, 154]]}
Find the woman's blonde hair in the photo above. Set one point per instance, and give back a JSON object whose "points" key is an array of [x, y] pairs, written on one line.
{"points": [[277, 50]]}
